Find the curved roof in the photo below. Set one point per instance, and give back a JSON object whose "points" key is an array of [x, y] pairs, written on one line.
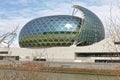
{"points": [[91, 27], [57, 30]]}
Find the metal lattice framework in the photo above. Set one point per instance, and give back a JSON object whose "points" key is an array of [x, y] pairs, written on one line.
{"points": [[92, 29], [57, 30], [62, 30]]}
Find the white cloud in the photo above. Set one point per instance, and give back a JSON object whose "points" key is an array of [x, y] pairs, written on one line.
{"points": [[68, 26], [7, 25]]}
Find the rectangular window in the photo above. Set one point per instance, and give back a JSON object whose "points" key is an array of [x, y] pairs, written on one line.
{"points": [[3, 52], [117, 42], [97, 54]]}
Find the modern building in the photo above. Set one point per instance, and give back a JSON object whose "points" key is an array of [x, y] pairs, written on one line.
{"points": [[62, 30], [64, 38]]}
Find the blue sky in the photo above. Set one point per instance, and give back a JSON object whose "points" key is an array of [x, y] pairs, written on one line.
{"points": [[10, 9], [18, 12]]}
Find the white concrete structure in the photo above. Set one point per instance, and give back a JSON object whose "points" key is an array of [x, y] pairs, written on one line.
{"points": [[98, 52]]}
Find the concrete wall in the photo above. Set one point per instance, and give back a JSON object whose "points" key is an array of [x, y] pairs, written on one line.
{"points": [[61, 54], [65, 54]]}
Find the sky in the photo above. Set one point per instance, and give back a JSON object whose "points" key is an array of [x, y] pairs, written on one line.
{"points": [[18, 12]]}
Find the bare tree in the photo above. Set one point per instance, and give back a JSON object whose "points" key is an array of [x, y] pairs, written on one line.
{"points": [[8, 37]]}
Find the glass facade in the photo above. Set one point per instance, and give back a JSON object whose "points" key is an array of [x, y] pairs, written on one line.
{"points": [[92, 29], [62, 30], [59, 30]]}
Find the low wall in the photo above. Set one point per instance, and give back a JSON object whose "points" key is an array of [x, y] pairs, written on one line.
{"points": [[64, 67], [113, 66]]}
